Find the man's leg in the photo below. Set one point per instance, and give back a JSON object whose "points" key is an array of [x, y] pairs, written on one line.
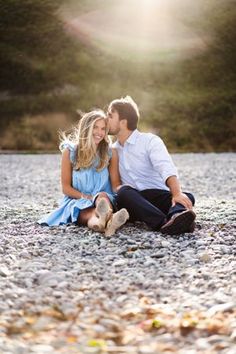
{"points": [[180, 220], [154, 207], [139, 208], [178, 208], [162, 199]]}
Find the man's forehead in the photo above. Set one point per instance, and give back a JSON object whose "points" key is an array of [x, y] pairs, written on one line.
{"points": [[112, 109]]}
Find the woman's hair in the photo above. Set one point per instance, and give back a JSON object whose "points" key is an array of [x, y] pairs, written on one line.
{"points": [[82, 136], [127, 109]]}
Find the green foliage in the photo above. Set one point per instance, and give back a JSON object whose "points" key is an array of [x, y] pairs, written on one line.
{"points": [[33, 46], [190, 103]]}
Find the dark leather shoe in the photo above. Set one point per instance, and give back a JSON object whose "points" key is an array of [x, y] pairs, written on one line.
{"points": [[180, 223], [192, 227]]}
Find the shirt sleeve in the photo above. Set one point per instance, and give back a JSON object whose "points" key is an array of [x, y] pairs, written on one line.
{"points": [[71, 147], [161, 159]]}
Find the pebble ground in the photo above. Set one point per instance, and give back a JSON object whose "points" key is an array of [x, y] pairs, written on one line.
{"points": [[70, 290]]}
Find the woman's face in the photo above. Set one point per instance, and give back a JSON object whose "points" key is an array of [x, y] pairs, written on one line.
{"points": [[99, 131]]}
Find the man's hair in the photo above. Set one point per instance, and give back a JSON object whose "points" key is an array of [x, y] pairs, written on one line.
{"points": [[127, 109]]}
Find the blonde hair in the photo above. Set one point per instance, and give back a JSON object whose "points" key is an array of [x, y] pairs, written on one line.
{"points": [[82, 136]]}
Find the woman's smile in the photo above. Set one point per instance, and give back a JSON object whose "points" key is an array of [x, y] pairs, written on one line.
{"points": [[99, 131]]}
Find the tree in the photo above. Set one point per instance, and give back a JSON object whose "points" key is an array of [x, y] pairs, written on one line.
{"points": [[33, 46]]}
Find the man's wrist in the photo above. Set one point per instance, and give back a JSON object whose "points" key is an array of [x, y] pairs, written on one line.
{"points": [[176, 193]]}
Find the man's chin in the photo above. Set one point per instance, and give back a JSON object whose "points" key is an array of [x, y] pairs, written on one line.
{"points": [[112, 132]]}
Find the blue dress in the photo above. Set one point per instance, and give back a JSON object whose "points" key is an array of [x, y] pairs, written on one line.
{"points": [[86, 180]]}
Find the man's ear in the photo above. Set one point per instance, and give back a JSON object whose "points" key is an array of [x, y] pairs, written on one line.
{"points": [[123, 123]]}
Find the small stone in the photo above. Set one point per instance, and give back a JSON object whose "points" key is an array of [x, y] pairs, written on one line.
{"points": [[42, 349], [24, 254], [165, 244], [204, 257], [4, 271], [221, 308], [158, 255], [119, 263]]}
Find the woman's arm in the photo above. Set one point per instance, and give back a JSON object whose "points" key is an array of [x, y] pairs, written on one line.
{"points": [[66, 178], [114, 171]]}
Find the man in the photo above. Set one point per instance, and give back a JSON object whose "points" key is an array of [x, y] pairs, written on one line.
{"points": [[150, 188]]}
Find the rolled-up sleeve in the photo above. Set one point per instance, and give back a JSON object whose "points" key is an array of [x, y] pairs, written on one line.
{"points": [[161, 159]]}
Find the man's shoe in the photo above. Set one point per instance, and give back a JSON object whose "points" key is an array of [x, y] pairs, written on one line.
{"points": [[180, 223], [192, 227]]}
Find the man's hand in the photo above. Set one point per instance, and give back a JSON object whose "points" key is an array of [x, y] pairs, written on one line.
{"points": [[182, 198], [177, 196]]}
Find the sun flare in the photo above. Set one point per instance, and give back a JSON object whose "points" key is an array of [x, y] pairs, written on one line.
{"points": [[138, 28]]}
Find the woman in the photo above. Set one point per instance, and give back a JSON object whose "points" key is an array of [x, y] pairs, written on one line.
{"points": [[89, 177]]}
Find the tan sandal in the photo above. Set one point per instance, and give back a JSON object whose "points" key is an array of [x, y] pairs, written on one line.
{"points": [[117, 220], [103, 211]]}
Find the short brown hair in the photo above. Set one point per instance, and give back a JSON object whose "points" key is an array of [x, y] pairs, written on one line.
{"points": [[127, 109]]}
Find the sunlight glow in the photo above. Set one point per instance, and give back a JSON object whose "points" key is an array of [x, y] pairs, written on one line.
{"points": [[138, 28]]}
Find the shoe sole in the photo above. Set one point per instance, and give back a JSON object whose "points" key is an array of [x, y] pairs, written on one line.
{"points": [[103, 211], [180, 225], [119, 219]]}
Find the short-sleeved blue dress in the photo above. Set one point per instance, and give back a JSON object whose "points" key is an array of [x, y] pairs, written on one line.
{"points": [[86, 180]]}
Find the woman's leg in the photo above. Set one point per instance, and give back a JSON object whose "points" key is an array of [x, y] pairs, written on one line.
{"points": [[85, 215]]}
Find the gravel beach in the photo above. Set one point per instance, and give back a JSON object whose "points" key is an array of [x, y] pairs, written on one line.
{"points": [[70, 290]]}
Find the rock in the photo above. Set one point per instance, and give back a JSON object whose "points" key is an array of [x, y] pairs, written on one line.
{"points": [[158, 255], [165, 244], [42, 349], [221, 308], [119, 263], [82, 292], [204, 257], [4, 271]]}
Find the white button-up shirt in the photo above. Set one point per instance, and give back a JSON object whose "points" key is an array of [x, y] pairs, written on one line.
{"points": [[144, 161]]}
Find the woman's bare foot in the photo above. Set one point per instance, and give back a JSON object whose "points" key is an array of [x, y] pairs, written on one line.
{"points": [[117, 220]]}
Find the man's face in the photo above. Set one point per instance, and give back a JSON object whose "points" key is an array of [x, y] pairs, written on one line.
{"points": [[113, 121]]}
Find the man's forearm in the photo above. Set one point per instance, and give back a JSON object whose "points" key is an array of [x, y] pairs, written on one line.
{"points": [[177, 195], [173, 183]]}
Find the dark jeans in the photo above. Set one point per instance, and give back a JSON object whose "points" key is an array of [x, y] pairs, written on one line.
{"points": [[152, 206]]}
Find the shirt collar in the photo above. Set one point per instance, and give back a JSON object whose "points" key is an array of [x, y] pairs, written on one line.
{"points": [[133, 137]]}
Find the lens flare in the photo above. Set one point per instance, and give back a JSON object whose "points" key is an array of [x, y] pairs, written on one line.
{"points": [[138, 29]]}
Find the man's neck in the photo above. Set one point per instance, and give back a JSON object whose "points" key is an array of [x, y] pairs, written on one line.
{"points": [[122, 136]]}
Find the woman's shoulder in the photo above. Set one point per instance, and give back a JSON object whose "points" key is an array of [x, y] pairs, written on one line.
{"points": [[69, 145]]}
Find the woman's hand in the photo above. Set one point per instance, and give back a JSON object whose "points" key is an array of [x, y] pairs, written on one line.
{"points": [[86, 196]]}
